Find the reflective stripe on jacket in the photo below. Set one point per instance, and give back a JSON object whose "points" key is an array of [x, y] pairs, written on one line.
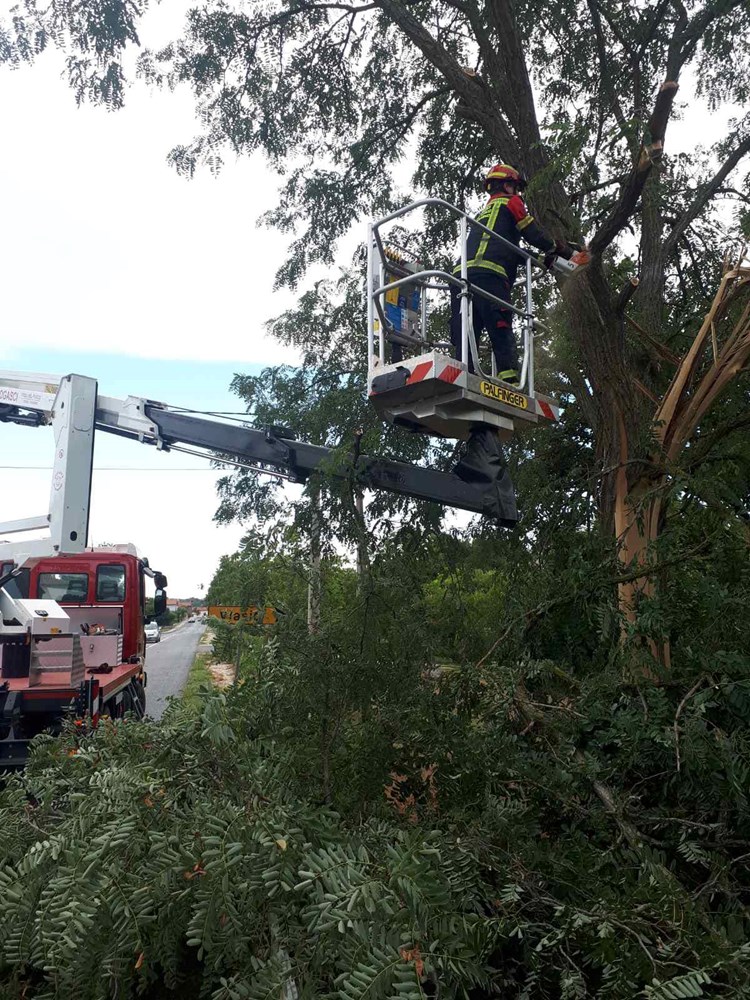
{"points": [[509, 218]]}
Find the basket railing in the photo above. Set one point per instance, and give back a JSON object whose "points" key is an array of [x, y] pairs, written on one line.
{"points": [[380, 264]]}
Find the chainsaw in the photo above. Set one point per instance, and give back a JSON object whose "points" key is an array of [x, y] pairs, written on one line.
{"points": [[579, 260], [556, 262]]}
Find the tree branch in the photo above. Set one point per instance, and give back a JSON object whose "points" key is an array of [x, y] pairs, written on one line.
{"points": [[606, 80], [659, 349], [704, 194], [678, 713], [685, 37], [493, 67], [597, 187], [475, 97], [702, 444], [656, 20], [509, 46], [734, 193], [396, 132], [694, 30], [650, 153], [627, 292]]}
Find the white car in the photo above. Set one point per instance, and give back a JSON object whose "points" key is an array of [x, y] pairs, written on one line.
{"points": [[153, 632]]}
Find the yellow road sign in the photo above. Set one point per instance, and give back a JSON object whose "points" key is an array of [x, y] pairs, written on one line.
{"points": [[255, 614]]}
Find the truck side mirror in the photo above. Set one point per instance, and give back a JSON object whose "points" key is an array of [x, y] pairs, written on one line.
{"points": [[160, 581], [160, 602]]}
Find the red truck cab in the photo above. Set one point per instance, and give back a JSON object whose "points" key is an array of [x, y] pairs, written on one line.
{"points": [[102, 669], [102, 592]]}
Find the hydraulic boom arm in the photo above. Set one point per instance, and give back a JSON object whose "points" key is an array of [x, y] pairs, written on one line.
{"points": [[74, 408], [300, 459]]}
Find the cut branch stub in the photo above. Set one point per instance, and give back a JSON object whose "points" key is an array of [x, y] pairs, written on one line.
{"points": [[657, 125]]}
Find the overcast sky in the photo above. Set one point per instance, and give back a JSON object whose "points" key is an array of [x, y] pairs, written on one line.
{"points": [[115, 267]]}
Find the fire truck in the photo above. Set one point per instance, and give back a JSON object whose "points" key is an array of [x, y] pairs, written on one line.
{"points": [[71, 618]]}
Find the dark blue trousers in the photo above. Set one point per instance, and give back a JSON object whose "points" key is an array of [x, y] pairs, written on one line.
{"points": [[487, 316]]}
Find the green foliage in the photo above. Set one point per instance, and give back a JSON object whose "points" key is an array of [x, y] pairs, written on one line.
{"points": [[353, 825], [95, 35], [466, 780], [360, 818], [322, 401], [256, 576], [690, 985], [352, 93], [168, 618], [451, 603], [199, 682]]}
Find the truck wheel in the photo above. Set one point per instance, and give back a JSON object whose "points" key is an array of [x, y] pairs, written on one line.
{"points": [[140, 694], [111, 709]]}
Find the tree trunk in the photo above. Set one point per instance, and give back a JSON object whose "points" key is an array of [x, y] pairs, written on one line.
{"points": [[314, 578], [611, 401], [638, 523], [650, 300], [363, 556], [629, 500]]}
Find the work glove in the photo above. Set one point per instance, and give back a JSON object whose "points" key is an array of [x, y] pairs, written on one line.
{"points": [[546, 260], [563, 249]]}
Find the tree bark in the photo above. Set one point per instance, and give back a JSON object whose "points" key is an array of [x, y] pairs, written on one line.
{"points": [[650, 300], [314, 578]]}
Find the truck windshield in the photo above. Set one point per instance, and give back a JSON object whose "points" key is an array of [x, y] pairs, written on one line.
{"points": [[65, 588], [110, 584]]}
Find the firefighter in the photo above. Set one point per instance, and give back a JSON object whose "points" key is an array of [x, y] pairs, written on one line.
{"points": [[493, 266]]}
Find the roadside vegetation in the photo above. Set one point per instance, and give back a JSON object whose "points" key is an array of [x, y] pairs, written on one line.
{"points": [[198, 683], [169, 618], [535, 819]]}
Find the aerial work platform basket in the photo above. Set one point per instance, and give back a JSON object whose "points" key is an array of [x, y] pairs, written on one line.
{"points": [[415, 381]]}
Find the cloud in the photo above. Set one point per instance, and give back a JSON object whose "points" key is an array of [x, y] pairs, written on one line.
{"points": [[106, 248]]}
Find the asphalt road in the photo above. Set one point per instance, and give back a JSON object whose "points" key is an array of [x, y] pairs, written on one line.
{"points": [[168, 663]]}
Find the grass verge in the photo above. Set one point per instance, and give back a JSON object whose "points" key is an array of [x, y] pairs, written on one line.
{"points": [[199, 676]]}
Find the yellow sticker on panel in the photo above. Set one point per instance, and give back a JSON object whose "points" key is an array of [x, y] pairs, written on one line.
{"points": [[508, 396]]}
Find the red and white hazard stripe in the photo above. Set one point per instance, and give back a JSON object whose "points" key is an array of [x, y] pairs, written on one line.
{"points": [[419, 372], [546, 409], [449, 374]]}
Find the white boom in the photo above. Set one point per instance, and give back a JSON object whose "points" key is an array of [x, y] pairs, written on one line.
{"points": [[75, 410], [72, 407]]}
